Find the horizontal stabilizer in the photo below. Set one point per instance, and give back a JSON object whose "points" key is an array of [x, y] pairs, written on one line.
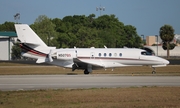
{"points": [[41, 60]]}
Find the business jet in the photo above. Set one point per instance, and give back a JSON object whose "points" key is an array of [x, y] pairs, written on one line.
{"points": [[87, 59]]}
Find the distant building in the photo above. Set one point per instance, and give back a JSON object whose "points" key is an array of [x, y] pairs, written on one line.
{"points": [[6, 42], [150, 40]]}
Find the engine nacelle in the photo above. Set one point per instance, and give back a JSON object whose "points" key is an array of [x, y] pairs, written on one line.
{"points": [[66, 55]]}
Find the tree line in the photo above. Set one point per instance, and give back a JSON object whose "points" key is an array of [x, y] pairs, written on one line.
{"points": [[83, 31], [89, 31]]}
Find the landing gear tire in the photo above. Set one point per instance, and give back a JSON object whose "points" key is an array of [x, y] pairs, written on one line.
{"points": [[86, 72], [154, 70]]}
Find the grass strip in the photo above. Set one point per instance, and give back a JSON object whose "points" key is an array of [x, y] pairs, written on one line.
{"points": [[156, 97]]}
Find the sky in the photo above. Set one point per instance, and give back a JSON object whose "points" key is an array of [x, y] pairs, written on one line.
{"points": [[146, 15]]}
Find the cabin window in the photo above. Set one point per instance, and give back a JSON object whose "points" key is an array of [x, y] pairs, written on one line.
{"points": [[145, 53], [104, 54], [110, 54], [120, 54], [99, 54]]}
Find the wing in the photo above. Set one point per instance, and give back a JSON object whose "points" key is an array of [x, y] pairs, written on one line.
{"points": [[100, 64]]}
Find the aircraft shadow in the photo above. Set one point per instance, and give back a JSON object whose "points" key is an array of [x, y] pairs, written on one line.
{"points": [[71, 74]]}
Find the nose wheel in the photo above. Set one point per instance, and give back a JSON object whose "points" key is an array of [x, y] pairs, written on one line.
{"points": [[154, 70]]}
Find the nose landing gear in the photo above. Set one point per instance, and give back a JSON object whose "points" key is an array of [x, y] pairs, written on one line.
{"points": [[154, 70]]}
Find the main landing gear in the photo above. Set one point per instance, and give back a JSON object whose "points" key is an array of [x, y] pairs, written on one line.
{"points": [[86, 72], [154, 70], [88, 69]]}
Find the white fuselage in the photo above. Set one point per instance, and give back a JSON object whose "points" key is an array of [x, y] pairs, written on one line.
{"points": [[106, 58]]}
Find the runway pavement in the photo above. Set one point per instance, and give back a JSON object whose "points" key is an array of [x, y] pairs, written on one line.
{"points": [[35, 82]]}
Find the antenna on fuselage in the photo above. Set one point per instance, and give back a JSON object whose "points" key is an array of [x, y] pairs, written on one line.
{"points": [[105, 46]]}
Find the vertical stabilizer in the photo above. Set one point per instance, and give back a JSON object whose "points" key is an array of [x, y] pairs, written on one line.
{"points": [[28, 36], [32, 45]]}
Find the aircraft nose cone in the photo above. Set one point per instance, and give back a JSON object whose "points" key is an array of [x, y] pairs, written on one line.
{"points": [[166, 62]]}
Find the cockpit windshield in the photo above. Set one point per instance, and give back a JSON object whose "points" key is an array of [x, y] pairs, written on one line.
{"points": [[146, 53]]}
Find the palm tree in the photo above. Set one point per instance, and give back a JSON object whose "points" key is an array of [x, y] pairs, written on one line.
{"points": [[167, 35]]}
